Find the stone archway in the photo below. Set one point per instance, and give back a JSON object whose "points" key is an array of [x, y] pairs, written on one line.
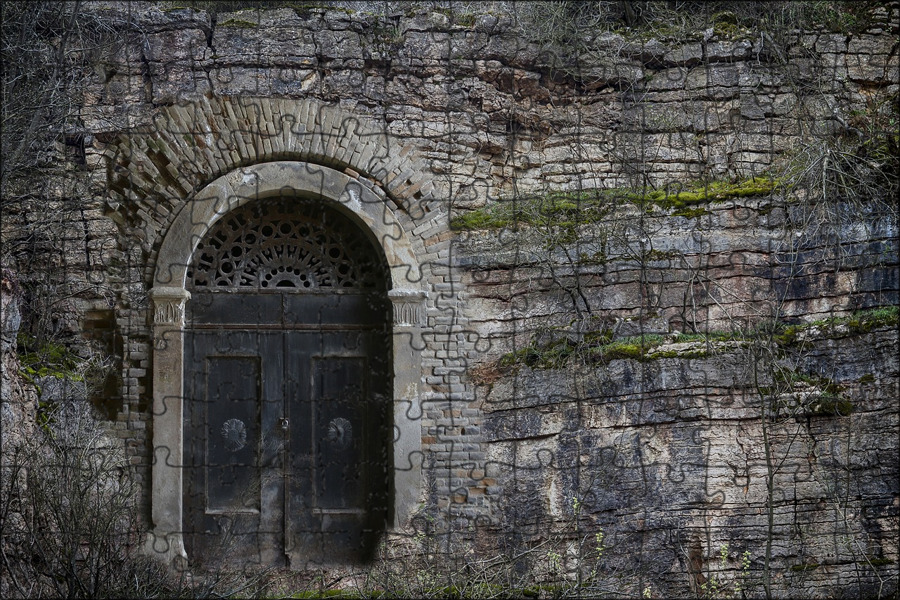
{"points": [[169, 296]]}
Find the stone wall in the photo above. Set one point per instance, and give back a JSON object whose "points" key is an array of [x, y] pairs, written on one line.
{"points": [[662, 443], [660, 438]]}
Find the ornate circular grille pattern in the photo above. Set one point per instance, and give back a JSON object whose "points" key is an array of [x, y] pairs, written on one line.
{"points": [[285, 246]]}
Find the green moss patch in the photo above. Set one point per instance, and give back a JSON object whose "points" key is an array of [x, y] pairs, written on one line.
{"points": [[859, 322], [635, 348], [804, 394], [41, 358], [553, 355], [829, 404], [465, 19], [561, 209], [302, 8], [47, 358], [865, 321], [712, 336], [789, 378], [680, 198], [599, 347]]}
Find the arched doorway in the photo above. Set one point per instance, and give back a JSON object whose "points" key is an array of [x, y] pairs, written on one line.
{"points": [[287, 386], [299, 184]]}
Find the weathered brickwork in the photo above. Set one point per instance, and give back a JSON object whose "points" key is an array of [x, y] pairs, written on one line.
{"points": [[436, 119]]}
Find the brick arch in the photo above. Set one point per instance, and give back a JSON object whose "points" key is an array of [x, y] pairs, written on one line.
{"points": [[294, 178], [152, 170]]}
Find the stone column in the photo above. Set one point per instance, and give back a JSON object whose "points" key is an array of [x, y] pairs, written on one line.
{"points": [[165, 541], [409, 319]]}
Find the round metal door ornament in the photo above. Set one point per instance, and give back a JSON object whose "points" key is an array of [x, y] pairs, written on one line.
{"points": [[235, 433], [340, 433]]}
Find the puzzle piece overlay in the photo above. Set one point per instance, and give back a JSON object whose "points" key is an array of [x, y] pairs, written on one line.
{"points": [[393, 274]]}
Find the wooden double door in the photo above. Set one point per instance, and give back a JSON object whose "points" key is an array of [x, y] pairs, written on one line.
{"points": [[287, 427]]}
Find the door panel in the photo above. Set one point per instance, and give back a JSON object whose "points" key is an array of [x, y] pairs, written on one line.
{"points": [[287, 429], [342, 310], [249, 310], [233, 448], [320, 470], [233, 433], [340, 390]]}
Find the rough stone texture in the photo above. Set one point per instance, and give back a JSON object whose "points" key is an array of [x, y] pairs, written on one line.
{"points": [[18, 400], [18, 406], [438, 119], [666, 456]]}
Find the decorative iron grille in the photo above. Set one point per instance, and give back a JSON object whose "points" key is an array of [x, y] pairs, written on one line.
{"points": [[286, 246]]}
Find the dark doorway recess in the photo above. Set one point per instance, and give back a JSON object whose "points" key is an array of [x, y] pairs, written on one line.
{"points": [[287, 417]]}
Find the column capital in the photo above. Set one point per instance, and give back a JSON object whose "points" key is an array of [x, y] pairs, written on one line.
{"points": [[409, 307], [168, 305]]}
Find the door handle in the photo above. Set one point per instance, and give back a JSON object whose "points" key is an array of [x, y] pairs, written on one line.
{"points": [[284, 423]]}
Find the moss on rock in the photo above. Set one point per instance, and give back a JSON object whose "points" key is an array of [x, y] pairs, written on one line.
{"points": [[591, 206]]}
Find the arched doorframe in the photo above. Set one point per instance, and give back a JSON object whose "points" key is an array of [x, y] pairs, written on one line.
{"points": [[169, 296]]}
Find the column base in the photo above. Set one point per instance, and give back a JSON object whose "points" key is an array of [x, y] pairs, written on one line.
{"points": [[167, 548]]}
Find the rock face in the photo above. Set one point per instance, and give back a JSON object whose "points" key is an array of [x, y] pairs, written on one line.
{"points": [[629, 340], [18, 401], [18, 406]]}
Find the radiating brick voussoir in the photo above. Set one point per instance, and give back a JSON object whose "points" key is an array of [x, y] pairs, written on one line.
{"points": [[155, 168]]}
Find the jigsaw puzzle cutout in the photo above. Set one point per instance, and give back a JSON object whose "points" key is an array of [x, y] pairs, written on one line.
{"points": [[302, 370]]}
